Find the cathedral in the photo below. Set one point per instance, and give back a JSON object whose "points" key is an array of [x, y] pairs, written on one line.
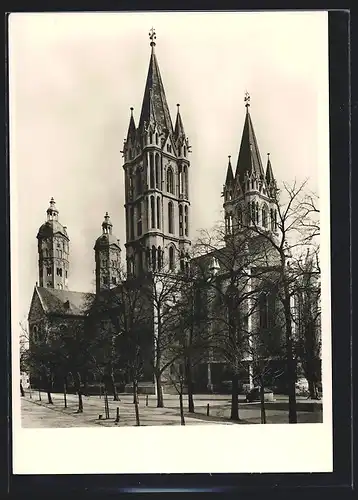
{"points": [[157, 216]]}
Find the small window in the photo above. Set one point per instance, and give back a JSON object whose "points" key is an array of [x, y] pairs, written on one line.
{"points": [[49, 271], [169, 148], [59, 271], [66, 274]]}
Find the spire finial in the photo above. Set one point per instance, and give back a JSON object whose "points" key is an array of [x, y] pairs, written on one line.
{"points": [[178, 106], [268, 154], [131, 111], [152, 37], [247, 100]]}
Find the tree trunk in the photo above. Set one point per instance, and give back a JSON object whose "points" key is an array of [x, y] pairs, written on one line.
{"points": [[80, 401], [235, 398], [182, 419], [79, 393], [65, 391], [135, 391], [49, 398], [312, 388], [291, 363], [160, 399], [137, 413], [22, 390], [262, 402], [113, 388], [189, 381]]}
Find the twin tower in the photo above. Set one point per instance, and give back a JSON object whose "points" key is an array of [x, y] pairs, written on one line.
{"points": [[157, 206]]}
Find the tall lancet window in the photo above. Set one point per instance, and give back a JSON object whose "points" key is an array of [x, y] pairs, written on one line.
{"points": [[264, 216], [131, 223], [257, 213], [158, 212], [181, 233], [139, 219], [186, 182], [186, 221], [170, 218], [157, 171], [171, 258], [181, 183], [263, 311], [138, 178], [170, 181], [239, 217], [154, 258], [159, 258], [152, 211], [151, 170]]}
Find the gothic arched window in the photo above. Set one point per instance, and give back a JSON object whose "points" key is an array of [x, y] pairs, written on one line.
{"points": [[138, 181], [158, 212], [181, 183], [257, 213], [182, 262], [170, 181], [170, 218], [139, 220], [151, 170], [239, 217], [154, 258], [275, 219], [264, 215], [152, 211], [186, 221], [159, 258], [181, 233], [131, 222], [253, 212], [186, 182], [156, 138], [263, 311], [157, 172], [272, 220], [171, 258]]}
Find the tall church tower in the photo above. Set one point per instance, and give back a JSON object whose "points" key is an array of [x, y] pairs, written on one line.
{"points": [[156, 168], [108, 258], [53, 250], [249, 195]]}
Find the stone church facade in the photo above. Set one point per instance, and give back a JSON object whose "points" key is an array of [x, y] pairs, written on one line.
{"points": [[157, 217]]}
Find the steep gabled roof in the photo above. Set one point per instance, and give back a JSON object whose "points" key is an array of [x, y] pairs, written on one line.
{"points": [[155, 107], [64, 302], [249, 159]]}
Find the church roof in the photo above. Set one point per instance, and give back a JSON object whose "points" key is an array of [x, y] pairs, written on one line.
{"points": [[64, 302], [249, 160], [50, 228], [131, 128], [155, 107]]}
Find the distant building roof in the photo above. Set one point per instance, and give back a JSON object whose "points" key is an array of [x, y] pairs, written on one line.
{"points": [[64, 302]]}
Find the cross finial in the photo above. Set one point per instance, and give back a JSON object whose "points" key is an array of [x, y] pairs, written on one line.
{"points": [[247, 99], [152, 37]]}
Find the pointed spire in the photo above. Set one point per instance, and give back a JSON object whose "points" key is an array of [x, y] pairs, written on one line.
{"points": [[179, 128], [131, 127], [154, 106], [269, 174], [229, 173], [249, 159]]}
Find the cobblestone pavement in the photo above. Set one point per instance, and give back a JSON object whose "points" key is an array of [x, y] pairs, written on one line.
{"points": [[37, 413]]}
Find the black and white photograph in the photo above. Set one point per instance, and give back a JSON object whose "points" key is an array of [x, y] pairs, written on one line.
{"points": [[170, 242]]}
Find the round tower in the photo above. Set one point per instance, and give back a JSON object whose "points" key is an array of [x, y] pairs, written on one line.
{"points": [[53, 250], [108, 257]]}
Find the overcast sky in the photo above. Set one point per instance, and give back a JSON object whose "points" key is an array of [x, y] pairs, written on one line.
{"points": [[73, 78]]}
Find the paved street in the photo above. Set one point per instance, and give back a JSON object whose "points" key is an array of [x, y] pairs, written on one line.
{"points": [[39, 414]]}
